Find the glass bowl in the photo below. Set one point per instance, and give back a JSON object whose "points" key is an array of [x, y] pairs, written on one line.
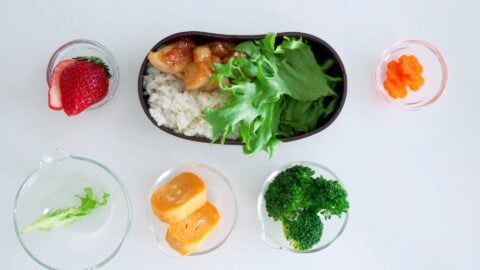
{"points": [[272, 231], [85, 47], [219, 193], [435, 73], [90, 241]]}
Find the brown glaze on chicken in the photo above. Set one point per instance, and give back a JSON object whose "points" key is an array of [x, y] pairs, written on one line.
{"points": [[197, 74], [221, 49], [173, 58], [193, 64]]}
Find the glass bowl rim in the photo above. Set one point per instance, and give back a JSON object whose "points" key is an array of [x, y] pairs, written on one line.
{"points": [[162, 178], [261, 218], [379, 70], [42, 164]]}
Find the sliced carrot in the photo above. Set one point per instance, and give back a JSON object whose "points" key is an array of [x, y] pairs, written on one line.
{"points": [[407, 71], [394, 91], [416, 83], [410, 65]]}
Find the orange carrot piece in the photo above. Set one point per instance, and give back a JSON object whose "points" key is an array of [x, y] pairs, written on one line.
{"points": [[407, 71]]}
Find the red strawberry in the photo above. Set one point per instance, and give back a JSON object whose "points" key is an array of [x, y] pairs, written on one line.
{"points": [[54, 94], [83, 84]]}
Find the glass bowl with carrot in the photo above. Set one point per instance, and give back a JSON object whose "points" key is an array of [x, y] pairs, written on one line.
{"points": [[411, 75]]}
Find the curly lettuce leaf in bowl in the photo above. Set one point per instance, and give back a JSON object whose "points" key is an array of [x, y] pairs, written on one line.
{"points": [[62, 217], [275, 91]]}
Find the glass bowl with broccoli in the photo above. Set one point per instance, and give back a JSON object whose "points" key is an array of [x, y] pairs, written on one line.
{"points": [[302, 208]]}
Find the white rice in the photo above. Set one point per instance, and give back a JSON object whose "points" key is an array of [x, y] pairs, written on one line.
{"points": [[176, 108]]}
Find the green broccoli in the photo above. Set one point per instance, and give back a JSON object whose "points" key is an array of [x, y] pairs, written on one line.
{"points": [[327, 197], [295, 198], [285, 195], [334, 198], [305, 231]]}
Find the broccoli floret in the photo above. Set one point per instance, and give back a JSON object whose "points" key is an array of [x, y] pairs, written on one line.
{"points": [[296, 198], [328, 197], [286, 195], [305, 231]]}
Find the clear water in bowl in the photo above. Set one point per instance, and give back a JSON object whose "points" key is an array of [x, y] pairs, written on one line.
{"points": [[90, 241]]}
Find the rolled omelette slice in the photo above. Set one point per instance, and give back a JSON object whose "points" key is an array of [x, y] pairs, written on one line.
{"points": [[188, 235], [178, 198]]}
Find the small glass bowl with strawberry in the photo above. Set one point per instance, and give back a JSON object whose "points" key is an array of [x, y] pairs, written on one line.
{"points": [[81, 75]]}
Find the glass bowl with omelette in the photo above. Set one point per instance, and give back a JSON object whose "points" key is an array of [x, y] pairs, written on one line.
{"points": [[191, 210]]}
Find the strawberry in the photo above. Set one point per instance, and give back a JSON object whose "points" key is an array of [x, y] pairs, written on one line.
{"points": [[54, 94], [83, 83]]}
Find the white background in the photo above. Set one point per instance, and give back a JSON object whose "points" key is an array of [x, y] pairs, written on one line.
{"points": [[412, 177]]}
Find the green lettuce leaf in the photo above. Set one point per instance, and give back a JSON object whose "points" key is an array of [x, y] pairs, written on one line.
{"points": [[65, 216], [274, 87], [303, 116]]}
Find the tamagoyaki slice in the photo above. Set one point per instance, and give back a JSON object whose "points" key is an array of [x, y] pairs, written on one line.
{"points": [[188, 235], [179, 198]]}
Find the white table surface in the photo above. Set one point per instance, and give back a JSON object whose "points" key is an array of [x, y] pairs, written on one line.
{"points": [[412, 177]]}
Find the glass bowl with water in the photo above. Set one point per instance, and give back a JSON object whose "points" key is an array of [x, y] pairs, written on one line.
{"points": [[272, 231], [87, 243]]}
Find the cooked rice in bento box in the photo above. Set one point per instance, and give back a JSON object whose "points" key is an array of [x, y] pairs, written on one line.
{"points": [[174, 107]]}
